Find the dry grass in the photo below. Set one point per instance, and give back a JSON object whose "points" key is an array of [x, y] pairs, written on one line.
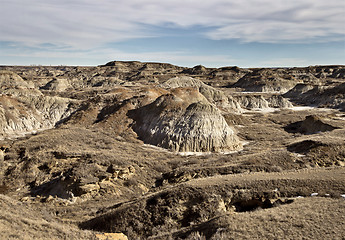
{"points": [[20, 221]]}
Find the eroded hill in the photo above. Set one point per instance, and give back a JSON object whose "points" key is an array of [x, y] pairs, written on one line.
{"points": [[159, 151]]}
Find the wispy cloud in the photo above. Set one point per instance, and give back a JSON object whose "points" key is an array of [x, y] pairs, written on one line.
{"points": [[89, 31], [86, 23]]}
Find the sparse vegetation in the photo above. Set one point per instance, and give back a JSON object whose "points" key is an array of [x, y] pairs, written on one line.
{"points": [[93, 171]]}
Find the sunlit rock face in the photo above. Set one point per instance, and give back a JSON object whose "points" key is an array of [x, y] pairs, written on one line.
{"points": [[184, 121], [24, 109], [213, 95]]}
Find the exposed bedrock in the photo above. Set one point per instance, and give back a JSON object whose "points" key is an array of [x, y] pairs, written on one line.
{"points": [[332, 96], [263, 80], [24, 109], [213, 95], [184, 121], [57, 84], [250, 101]]}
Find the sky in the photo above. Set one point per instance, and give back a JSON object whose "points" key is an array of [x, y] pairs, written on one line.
{"points": [[213, 33]]}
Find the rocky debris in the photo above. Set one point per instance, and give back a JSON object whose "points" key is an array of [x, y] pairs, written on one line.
{"points": [[184, 121], [76, 164], [83, 181]]}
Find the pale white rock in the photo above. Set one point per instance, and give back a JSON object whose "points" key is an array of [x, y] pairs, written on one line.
{"points": [[184, 121]]}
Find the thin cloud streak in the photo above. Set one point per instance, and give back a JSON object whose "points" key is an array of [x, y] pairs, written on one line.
{"points": [[86, 23]]}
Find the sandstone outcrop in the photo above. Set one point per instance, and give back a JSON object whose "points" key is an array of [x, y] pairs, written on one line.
{"points": [[263, 80], [329, 96], [298, 90], [184, 121], [255, 101], [24, 109]]}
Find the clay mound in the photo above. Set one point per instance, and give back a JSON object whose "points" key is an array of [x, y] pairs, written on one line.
{"points": [[250, 101], [184, 121], [211, 94], [10, 79], [24, 110], [311, 125], [278, 101], [196, 70], [332, 96], [298, 90], [22, 115], [304, 146], [264, 80], [58, 84], [314, 124]]}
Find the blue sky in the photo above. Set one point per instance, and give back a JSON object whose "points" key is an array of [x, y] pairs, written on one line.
{"points": [[245, 33]]}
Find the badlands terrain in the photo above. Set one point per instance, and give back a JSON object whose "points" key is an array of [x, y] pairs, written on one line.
{"points": [[156, 151]]}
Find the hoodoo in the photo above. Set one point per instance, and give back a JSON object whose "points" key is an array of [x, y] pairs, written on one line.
{"points": [[184, 121]]}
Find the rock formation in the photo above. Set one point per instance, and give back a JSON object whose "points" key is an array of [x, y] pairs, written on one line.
{"points": [[257, 101], [213, 95], [263, 80], [59, 85], [24, 109], [330, 96], [184, 121], [92, 165]]}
